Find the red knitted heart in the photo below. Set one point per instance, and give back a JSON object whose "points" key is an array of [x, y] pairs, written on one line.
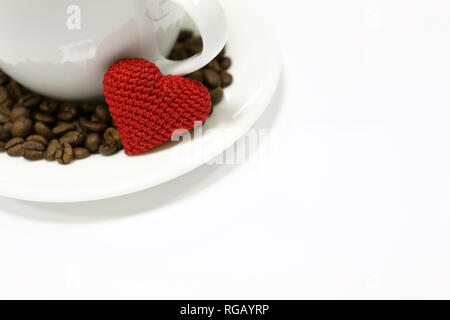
{"points": [[148, 107]]}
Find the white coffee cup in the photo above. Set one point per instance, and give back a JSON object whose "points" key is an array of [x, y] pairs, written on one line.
{"points": [[63, 48]]}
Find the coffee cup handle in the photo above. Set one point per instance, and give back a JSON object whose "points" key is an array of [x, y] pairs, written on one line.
{"points": [[209, 17]]}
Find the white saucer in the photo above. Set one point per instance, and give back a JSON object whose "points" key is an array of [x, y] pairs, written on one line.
{"points": [[256, 68]]}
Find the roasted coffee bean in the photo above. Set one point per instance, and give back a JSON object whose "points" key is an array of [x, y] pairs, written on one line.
{"points": [[14, 147], [178, 46], [74, 138], [33, 146], [112, 137], [63, 128], [184, 34], [21, 127], [197, 75], [108, 149], [2, 146], [91, 126], [194, 45], [4, 95], [18, 112], [52, 147], [49, 106], [178, 55], [3, 77], [64, 153], [44, 118], [33, 155], [225, 63], [5, 115], [43, 130], [226, 79], [29, 100], [212, 78], [216, 95], [215, 65], [33, 150], [93, 142], [5, 132], [94, 118], [67, 112], [79, 128], [81, 153], [15, 90], [38, 139], [102, 113], [87, 108], [7, 103]]}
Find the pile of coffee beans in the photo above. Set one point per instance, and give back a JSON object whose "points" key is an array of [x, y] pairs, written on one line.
{"points": [[37, 128], [215, 75]]}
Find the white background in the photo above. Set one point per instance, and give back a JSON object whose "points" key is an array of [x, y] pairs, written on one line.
{"points": [[350, 198]]}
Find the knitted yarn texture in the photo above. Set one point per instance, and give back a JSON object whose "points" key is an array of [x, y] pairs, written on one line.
{"points": [[148, 107]]}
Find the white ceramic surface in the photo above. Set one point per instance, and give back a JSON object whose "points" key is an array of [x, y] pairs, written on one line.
{"points": [[72, 43], [251, 44]]}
